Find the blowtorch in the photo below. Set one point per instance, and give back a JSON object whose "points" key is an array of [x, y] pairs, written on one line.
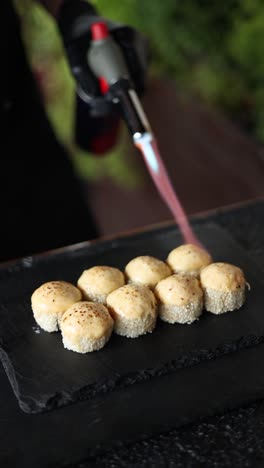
{"points": [[99, 59]]}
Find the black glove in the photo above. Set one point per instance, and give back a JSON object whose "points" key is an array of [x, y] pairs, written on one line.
{"points": [[96, 116]]}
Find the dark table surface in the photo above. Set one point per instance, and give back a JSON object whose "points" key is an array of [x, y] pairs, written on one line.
{"points": [[235, 438]]}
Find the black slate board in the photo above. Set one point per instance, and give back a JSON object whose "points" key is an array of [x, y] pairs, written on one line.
{"points": [[44, 375]]}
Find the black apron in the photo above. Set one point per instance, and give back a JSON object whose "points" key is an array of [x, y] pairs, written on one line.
{"points": [[42, 205]]}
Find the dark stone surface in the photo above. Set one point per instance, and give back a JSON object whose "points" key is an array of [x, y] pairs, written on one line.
{"points": [[234, 439], [44, 375], [62, 437], [72, 433]]}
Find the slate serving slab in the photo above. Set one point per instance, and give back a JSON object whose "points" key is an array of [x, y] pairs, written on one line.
{"points": [[44, 375]]}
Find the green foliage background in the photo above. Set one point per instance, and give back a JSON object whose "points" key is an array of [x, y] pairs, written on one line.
{"points": [[47, 59], [212, 48]]}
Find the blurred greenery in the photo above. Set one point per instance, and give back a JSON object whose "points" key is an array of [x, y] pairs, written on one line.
{"points": [[46, 56], [212, 49]]}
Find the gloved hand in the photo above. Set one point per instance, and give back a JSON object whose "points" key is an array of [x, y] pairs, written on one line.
{"points": [[96, 117]]}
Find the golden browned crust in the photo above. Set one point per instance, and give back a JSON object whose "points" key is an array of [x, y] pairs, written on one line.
{"points": [[86, 326], [134, 309], [188, 259], [146, 270], [50, 301], [222, 276], [99, 281]]}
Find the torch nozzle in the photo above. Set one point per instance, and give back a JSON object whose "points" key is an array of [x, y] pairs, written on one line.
{"points": [[130, 107]]}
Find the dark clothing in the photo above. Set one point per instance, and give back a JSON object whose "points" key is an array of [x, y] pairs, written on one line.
{"points": [[42, 204]]}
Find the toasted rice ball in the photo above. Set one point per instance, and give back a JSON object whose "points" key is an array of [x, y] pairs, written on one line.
{"points": [[86, 326], [224, 287], [134, 310], [50, 301], [188, 259], [146, 270], [99, 281], [180, 299]]}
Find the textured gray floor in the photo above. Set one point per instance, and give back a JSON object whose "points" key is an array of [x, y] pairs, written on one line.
{"points": [[235, 439]]}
